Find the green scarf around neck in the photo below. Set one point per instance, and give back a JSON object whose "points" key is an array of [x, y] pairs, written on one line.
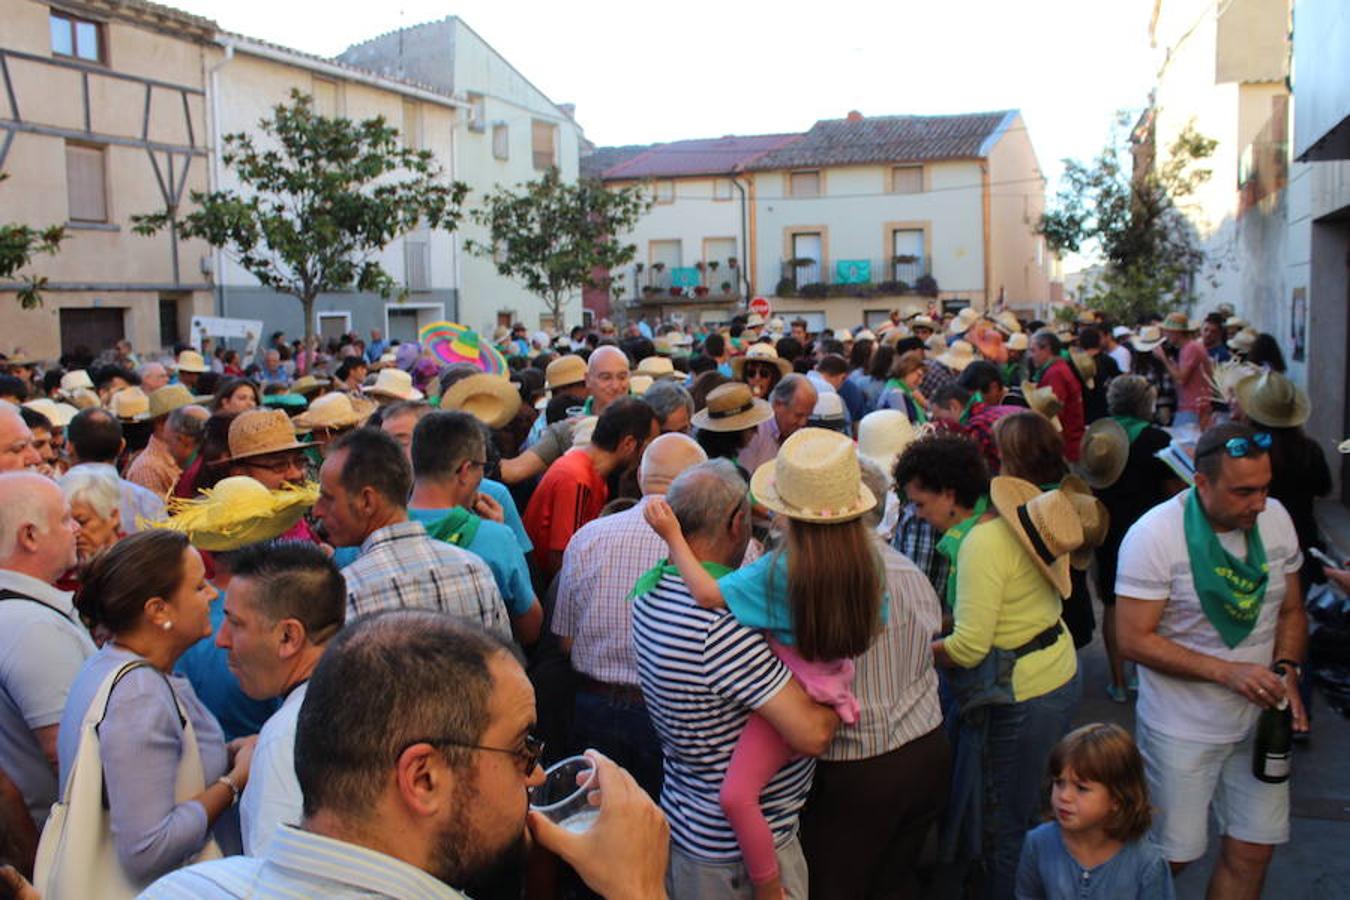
{"points": [[920, 416], [950, 545], [458, 527], [1230, 589], [975, 399], [1133, 427], [1040, 372], [648, 579]]}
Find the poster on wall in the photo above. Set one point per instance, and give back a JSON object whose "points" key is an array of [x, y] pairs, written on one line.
{"points": [[1299, 325]]}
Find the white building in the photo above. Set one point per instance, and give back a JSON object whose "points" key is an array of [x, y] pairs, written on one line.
{"points": [[511, 133]]}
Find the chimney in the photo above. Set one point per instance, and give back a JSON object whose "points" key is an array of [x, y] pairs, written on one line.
{"points": [[854, 116], [569, 109]]}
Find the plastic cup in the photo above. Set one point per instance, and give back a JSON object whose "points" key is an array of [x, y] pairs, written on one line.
{"points": [[564, 797]]}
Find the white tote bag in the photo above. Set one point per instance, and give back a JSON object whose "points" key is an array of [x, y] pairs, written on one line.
{"points": [[76, 857]]}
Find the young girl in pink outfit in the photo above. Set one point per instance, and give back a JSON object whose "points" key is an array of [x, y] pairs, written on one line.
{"points": [[820, 597]]}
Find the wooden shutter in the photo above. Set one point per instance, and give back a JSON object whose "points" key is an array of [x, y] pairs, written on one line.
{"points": [[88, 196]]}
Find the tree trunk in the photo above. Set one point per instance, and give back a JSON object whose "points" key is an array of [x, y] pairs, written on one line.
{"points": [[307, 305]]}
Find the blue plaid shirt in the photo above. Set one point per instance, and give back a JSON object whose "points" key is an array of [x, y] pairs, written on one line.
{"points": [[918, 540]]}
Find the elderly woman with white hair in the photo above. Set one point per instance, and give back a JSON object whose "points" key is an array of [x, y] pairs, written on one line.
{"points": [[94, 493]]}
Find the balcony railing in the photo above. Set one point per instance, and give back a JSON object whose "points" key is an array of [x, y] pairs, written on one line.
{"points": [[854, 277], [662, 283]]}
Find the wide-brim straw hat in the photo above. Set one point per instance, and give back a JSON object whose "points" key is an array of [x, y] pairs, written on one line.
{"points": [[308, 384], [866, 334], [492, 399], [963, 321], [765, 353], [259, 432], [731, 407], [168, 398], [130, 404], [191, 361], [1243, 341], [678, 339], [1042, 399], [1094, 517], [657, 367], [1086, 366], [1018, 341], [83, 398], [1046, 524], [237, 512], [959, 355], [1007, 322], [1179, 321], [814, 478], [1236, 322], [1148, 337], [334, 411], [59, 414], [1105, 450], [1273, 400], [883, 435], [75, 380], [565, 371], [923, 321], [754, 320], [394, 383], [640, 384]]}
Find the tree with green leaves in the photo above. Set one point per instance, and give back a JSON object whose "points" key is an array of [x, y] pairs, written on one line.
{"points": [[320, 198], [18, 245], [1124, 206], [554, 235]]}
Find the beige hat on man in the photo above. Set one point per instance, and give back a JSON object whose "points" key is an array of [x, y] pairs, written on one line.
{"points": [[1046, 523], [59, 414], [922, 321], [1006, 322], [168, 398], [334, 411], [1179, 321], [1272, 400], [731, 407], [957, 356], [492, 399], [1148, 337], [259, 432], [1243, 341], [638, 385], [565, 371], [814, 478], [1105, 450], [765, 353], [1044, 401], [657, 368], [1018, 341], [191, 361], [883, 435], [394, 384], [963, 321], [130, 405], [75, 380]]}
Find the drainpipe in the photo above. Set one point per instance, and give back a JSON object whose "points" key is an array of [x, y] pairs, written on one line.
{"points": [[213, 86], [745, 240]]}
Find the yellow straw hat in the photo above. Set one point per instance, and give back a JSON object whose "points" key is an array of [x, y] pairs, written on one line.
{"points": [[565, 371], [237, 512], [731, 407], [191, 361], [765, 353], [258, 432], [656, 368], [492, 399], [1093, 515], [1046, 523], [59, 414], [1043, 401], [168, 398], [333, 411], [130, 405], [814, 478], [1105, 450]]}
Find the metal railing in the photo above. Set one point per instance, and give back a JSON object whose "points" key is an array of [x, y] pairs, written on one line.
{"points": [[897, 275]]}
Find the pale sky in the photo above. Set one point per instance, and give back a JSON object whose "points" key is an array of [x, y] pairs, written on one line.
{"points": [[641, 73]]}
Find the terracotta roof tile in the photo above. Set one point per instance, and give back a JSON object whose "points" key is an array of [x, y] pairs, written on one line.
{"points": [[843, 142], [706, 156]]}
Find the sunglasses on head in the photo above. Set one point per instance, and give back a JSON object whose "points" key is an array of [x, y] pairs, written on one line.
{"points": [[1239, 447]]}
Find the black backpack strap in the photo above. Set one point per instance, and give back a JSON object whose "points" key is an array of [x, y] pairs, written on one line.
{"points": [[7, 594]]}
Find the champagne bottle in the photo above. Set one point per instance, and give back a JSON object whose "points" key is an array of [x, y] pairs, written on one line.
{"points": [[1274, 747]]}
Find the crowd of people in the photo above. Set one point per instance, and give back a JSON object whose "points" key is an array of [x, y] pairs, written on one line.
{"points": [[811, 602]]}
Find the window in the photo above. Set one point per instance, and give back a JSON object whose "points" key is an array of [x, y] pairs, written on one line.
{"points": [[665, 191], [477, 113], [326, 97], [804, 184], [75, 37], [86, 183], [416, 264], [501, 141], [412, 125], [721, 188], [907, 180], [543, 144]]}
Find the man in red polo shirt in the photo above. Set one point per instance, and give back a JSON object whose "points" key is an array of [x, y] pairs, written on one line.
{"points": [[574, 490], [1053, 371]]}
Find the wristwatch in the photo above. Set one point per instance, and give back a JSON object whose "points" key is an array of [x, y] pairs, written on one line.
{"points": [[1288, 664], [234, 788]]}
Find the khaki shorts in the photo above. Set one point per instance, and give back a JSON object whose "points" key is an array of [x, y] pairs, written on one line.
{"points": [[688, 878]]}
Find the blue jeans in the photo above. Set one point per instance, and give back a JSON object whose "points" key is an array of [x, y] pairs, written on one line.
{"points": [[1021, 736], [622, 730]]}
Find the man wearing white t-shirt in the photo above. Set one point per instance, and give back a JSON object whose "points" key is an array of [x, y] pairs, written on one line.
{"points": [[1209, 605], [285, 601]]}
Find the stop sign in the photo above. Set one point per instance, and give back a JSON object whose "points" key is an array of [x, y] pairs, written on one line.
{"points": [[761, 306]]}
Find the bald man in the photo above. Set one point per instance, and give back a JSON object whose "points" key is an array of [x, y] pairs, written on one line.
{"points": [[17, 451], [607, 381], [600, 566]]}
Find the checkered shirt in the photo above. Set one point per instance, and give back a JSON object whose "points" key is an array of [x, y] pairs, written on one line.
{"points": [[402, 567], [935, 377], [917, 539]]}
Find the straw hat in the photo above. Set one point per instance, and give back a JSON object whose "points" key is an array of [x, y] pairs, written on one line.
{"points": [[1094, 517], [74, 380], [565, 371], [1243, 341], [501, 334], [191, 361], [1086, 366], [1273, 400], [1178, 321], [678, 338], [657, 368], [1018, 341], [394, 383], [883, 435], [829, 411], [1105, 450], [936, 344], [754, 320], [130, 405], [963, 321], [731, 407], [814, 478], [333, 411], [1046, 524], [866, 334], [1007, 322], [84, 398], [308, 384], [640, 384], [1121, 331], [258, 432], [1087, 317], [492, 399], [237, 512], [1148, 337], [59, 414], [923, 321], [758, 353], [1235, 322], [168, 398], [1043, 400], [959, 355]]}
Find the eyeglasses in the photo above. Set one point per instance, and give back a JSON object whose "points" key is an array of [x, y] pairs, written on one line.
{"points": [[528, 753], [1239, 447], [278, 465]]}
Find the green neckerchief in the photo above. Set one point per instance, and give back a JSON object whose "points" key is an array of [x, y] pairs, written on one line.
{"points": [[1230, 589], [921, 417], [1049, 486], [950, 545], [975, 398], [586, 407], [1036, 376], [1133, 427], [458, 527], [648, 579]]}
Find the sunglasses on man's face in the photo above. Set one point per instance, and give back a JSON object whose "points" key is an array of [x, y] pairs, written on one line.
{"points": [[1239, 447]]}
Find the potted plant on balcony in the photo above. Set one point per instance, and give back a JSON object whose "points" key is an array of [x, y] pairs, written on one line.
{"points": [[650, 290], [903, 259], [701, 291], [731, 262], [677, 292], [713, 265], [801, 262], [658, 267], [926, 285], [726, 287]]}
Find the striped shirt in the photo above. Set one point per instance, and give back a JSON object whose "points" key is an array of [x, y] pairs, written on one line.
{"points": [[600, 567], [402, 567], [895, 682], [702, 675], [302, 864]]}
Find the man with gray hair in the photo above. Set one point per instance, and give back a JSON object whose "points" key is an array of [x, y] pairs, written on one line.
{"points": [[153, 376], [702, 675], [42, 644], [792, 400], [591, 617], [673, 405]]}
